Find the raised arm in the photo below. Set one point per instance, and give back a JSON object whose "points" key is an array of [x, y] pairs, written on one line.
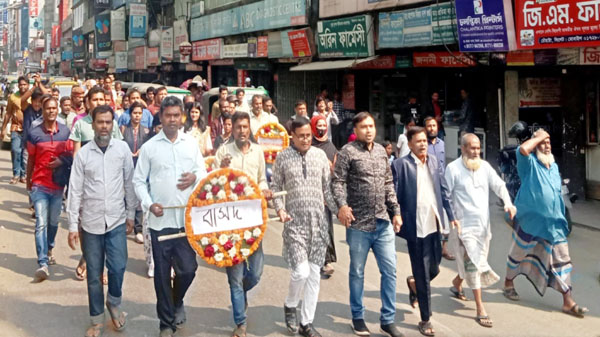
{"points": [[530, 145]]}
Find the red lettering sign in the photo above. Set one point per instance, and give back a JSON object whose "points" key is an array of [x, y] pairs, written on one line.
{"points": [[299, 43], [262, 49], [381, 62], [442, 59], [556, 24], [206, 50]]}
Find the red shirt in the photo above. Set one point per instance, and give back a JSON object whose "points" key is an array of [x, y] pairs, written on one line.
{"points": [[154, 109], [43, 146], [437, 110]]}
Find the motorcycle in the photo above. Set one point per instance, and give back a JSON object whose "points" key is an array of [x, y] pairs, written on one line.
{"points": [[569, 199]]}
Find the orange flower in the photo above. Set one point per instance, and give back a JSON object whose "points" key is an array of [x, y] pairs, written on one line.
{"points": [[272, 131]]}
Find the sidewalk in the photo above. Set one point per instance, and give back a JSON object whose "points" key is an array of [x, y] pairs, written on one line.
{"points": [[586, 213]]}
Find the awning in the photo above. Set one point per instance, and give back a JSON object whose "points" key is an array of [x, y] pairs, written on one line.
{"points": [[331, 65]]}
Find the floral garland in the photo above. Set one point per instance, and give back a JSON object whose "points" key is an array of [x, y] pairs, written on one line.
{"points": [[272, 131], [208, 162], [226, 248]]}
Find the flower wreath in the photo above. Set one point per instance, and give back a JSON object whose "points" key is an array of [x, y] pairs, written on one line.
{"points": [[208, 162], [268, 136], [225, 248]]}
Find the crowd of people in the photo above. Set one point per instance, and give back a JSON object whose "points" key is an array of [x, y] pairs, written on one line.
{"points": [[121, 159]]}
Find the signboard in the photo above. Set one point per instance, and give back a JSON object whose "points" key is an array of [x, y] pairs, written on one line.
{"points": [[137, 20], [153, 56], [102, 36], [485, 26], [425, 26], [381, 62], [66, 55], [567, 56], [101, 4], [180, 32], [262, 48], [197, 9], [136, 58], [119, 46], [557, 23], [24, 28], [78, 45], [185, 52], [261, 15], [520, 58], [166, 45], [4, 12], [34, 8], [79, 15], [279, 45], [589, 55], [56, 35], [206, 50], [442, 59], [117, 20], [299, 41], [234, 50], [154, 38], [329, 8], [346, 37], [539, 92]]}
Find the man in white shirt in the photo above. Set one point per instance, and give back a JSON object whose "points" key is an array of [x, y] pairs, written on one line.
{"points": [[101, 194], [423, 196], [242, 105], [469, 181], [259, 117], [169, 166]]}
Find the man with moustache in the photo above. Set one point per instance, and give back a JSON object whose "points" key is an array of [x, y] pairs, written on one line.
{"points": [[102, 196], [169, 166], [303, 171], [247, 156], [470, 180], [423, 196], [540, 250]]}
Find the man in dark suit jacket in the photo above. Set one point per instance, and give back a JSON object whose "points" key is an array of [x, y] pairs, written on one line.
{"points": [[423, 196]]}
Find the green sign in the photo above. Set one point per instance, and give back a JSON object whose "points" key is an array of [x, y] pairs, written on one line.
{"points": [[347, 37], [263, 65], [444, 24]]}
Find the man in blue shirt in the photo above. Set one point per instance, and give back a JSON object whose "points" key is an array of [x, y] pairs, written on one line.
{"points": [[135, 96], [540, 250]]}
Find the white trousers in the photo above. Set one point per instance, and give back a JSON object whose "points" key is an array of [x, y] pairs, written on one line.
{"points": [[306, 276]]}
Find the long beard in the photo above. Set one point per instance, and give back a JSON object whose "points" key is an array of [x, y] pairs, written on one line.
{"points": [[546, 159], [472, 164]]}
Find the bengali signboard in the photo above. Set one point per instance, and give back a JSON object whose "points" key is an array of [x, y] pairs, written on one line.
{"points": [[589, 55], [117, 20], [137, 20], [485, 26], [152, 56], [206, 50], [346, 37], [262, 15], [300, 43], [234, 50], [557, 23], [34, 8], [442, 59], [262, 49], [136, 58], [166, 45], [102, 36], [535, 92]]}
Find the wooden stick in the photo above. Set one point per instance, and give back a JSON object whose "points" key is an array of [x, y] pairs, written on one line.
{"points": [[275, 195]]}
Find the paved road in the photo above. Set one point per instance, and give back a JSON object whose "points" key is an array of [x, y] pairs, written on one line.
{"points": [[58, 306]]}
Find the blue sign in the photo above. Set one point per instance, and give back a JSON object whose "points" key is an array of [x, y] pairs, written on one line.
{"points": [[4, 11], [24, 27], [138, 20], [481, 26], [262, 15], [66, 55]]}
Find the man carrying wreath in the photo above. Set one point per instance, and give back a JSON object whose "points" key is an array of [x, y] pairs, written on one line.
{"points": [[304, 172], [248, 157], [169, 166]]}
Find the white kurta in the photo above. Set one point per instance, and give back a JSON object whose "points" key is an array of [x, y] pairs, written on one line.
{"points": [[469, 191]]}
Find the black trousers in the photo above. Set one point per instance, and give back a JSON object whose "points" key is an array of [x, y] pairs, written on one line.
{"points": [[330, 255], [178, 254], [425, 257]]}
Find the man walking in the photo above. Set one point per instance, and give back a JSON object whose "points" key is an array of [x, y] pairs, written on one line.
{"points": [[423, 195], [364, 191], [101, 195], [300, 111], [540, 250], [433, 109], [14, 114], [244, 155], [470, 180], [259, 117], [46, 143], [169, 166], [303, 171]]}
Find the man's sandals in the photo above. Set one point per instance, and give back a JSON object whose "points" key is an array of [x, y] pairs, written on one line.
{"points": [[484, 321], [96, 330], [81, 271], [576, 311], [458, 294], [426, 329], [240, 331], [118, 317]]}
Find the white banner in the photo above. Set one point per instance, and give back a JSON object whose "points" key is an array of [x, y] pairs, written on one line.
{"points": [[117, 21], [166, 45], [234, 50], [180, 32], [121, 60], [270, 142], [227, 216]]}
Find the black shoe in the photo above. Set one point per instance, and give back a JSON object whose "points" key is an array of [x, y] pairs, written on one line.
{"points": [[308, 331], [291, 321], [360, 328], [391, 330]]}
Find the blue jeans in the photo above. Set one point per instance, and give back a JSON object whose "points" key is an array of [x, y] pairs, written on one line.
{"points": [[47, 204], [96, 247], [242, 278], [382, 241], [16, 151]]}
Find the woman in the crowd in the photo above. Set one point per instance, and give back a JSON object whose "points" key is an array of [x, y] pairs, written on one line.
{"points": [[227, 129], [195, 125]]}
